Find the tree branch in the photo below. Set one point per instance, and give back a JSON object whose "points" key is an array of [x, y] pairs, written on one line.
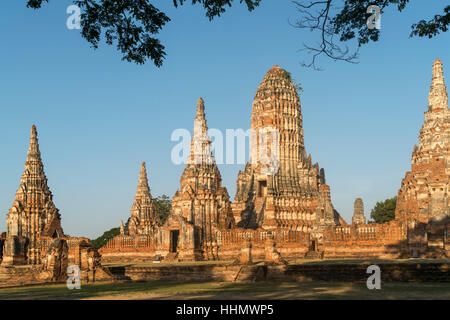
{"points": [[320, 21]]}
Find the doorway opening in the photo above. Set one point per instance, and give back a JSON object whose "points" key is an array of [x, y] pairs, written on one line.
{"points": [[313, 245], [262, 188], [197, 240], [174, 235]]}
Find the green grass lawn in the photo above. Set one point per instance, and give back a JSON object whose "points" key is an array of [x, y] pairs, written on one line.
{"points": [[229, 290]]}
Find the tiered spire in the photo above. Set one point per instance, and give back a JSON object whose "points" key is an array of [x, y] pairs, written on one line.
{"points": [[436, 125], [277, 109], [424, 191], [33, 179], [358, 212], [143, 202], [281, 180], [33, 149], [143, 190], [200, 110], [201, 178], [200, 143], [201, 199], [438, 98], [143, 217], [33, 212], [33, 190]]}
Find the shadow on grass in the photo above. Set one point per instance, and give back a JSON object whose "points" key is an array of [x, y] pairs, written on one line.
{"points": [[60, 291], [228, 290]]}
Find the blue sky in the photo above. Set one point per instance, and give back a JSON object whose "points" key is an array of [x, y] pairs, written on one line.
{"points": [[99, 117]]}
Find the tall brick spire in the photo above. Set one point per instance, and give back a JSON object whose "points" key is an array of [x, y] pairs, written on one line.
{"points": [[33, 178], [200, 110], [424, 193], [358, 212], [280, 198], [33, 212], [436, 125], [201, 143], [33, 149], [201, 159], [438, 98], [277, 106], [143, 216], [33, 193], [201, 200], [143, 190]]}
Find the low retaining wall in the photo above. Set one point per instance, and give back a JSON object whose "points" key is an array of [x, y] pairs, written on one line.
{"points": [[226, 253], [127, 257], [189, 273], [131, 249], [345, 272], [361, 251], [390, 272], [20, 275]]}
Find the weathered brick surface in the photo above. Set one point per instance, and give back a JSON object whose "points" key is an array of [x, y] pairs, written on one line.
{"points": [[425, 190], [294, 203], [358, 212], [291, 196], [278, 214], [195, 273], [33, 213], [345, 272], [21, 275], [143, 218], [395, 272]]}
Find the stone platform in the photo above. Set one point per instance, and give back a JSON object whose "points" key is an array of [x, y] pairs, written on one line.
{"points": [[405, 271]]}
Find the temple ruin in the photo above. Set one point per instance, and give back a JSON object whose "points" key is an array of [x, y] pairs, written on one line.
{"points": [[282, 197], [282, 208], [34, 236], [296, 196]]}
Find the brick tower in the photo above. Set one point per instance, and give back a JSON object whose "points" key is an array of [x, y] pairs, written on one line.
{"points": [[425, 190], [33, 213], [202, 202], [293, 195], [358, 212], [143, 219]]}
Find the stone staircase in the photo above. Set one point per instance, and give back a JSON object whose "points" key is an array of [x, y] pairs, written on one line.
{"points": [[251, 274], [314, 255], [437, 253], [171, 257]]}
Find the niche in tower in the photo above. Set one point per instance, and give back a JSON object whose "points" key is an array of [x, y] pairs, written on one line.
{"points": [[262, 188]]}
